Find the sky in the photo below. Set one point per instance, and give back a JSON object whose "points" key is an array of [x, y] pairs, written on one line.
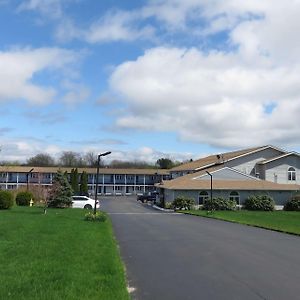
{"points": [[148, 79]]}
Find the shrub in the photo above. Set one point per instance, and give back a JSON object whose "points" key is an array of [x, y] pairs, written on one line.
{"points": [[183, 203], [293, 203], [98, 217], [60, 192], [219, 203], [23, 198], [169, 205], [6, 200], [260, 202]]}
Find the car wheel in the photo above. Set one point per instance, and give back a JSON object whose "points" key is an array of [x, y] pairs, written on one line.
{"points": [[88, 206]]}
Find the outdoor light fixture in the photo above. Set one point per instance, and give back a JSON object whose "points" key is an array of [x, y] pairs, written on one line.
{"points": [[211, 178], [98, 164], [27, 178]]}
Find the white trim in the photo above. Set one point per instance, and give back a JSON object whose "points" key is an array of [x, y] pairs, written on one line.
{"points": [[231, 169], [278, 157], [239, 156]]}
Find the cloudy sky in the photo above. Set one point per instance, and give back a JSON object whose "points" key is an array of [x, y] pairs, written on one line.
{"points": [[148, 79]]}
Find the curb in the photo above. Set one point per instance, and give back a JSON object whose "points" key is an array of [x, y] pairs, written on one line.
{"points": [[163, 209]]}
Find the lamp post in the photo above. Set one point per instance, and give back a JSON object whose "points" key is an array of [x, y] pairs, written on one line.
{"points": [[98, 164], [211, 180], [27, 178]]}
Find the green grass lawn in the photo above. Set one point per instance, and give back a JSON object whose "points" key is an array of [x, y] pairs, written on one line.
{"points": [[284, 221], [58, 256]]}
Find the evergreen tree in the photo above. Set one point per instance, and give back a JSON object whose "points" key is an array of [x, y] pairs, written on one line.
{"points": [[60, 192], [84, 184], [74, 181]]}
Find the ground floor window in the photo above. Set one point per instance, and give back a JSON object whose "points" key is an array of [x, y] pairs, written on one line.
{"points": [[235, 197], [203, 196]]}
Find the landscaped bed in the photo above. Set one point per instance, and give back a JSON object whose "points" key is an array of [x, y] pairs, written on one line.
{"points": [[284, 221], [58, 256]]}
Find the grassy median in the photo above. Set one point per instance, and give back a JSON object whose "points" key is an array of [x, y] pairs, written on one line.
{"points": [[283, 221], [58, 256]]}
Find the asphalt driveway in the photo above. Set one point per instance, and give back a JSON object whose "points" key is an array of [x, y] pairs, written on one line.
{"points": [[174, 256]]}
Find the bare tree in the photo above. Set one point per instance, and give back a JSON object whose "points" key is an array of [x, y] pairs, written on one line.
{"points": [[69, 159], [90, 159]]}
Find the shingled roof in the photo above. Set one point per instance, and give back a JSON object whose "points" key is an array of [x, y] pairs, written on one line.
{"points": [[25, 169], [193, 182], [218, 159]]}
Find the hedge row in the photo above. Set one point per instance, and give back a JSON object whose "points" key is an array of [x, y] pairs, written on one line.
{"points": [[7, 199]]}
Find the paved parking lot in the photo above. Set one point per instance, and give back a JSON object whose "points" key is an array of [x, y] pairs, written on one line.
{"points": [[173, 256]]}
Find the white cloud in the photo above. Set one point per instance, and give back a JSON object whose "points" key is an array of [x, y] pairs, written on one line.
{"points": [[22, 149], [115, 25], [18, 68], [50, 8], [220, 97]]}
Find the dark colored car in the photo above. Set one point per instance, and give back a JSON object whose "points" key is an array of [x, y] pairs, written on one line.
{"points": [[149, 196]]}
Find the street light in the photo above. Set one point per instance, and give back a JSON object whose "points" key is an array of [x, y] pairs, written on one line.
{"points": [[98, 163], [27, 178], [211, 179]]}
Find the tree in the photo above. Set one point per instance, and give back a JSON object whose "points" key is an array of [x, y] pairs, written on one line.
{"points": [[74, 181], [91, 159], [165, 163], [84, 184], [69, 159], [60, 192], [41, 160], [130, 165]]}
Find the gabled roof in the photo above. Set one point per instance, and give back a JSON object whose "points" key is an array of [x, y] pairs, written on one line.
{"points": [[218, 159], [188, 182], [278, 157]]}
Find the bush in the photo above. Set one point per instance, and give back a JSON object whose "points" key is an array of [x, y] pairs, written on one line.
{"points": [[293, 203], [23, 198], [183, 203], [260, 202], [219, 203], [98, 217], [6, 200], [60, 192]]}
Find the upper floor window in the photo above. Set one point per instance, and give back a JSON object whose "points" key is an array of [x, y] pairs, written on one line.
{"points": [[235, 197], [291, 174]]}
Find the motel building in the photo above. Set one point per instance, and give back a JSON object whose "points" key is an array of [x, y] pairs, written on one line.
{"points": [[110, 181]]}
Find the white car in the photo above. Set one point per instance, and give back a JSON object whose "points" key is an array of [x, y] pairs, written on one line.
{"points": [[84, 202]]}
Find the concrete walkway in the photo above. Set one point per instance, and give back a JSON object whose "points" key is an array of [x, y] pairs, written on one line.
{"points": [[174, 256]]}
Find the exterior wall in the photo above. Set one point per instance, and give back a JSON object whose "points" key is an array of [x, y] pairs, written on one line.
{"points": [[226, 174], [247, 164], [278, 169], [108, 184], [280, 197]]}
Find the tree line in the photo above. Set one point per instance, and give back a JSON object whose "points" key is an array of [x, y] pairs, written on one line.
{"points": [[89, 159]]}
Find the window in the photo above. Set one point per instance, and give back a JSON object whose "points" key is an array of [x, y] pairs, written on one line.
{"points": [[291, 174], [203, 196], [235, 197], [119, 177]]}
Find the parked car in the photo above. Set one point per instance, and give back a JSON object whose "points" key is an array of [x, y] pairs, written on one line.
{"points": [[84, 202], [149, 196]]}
